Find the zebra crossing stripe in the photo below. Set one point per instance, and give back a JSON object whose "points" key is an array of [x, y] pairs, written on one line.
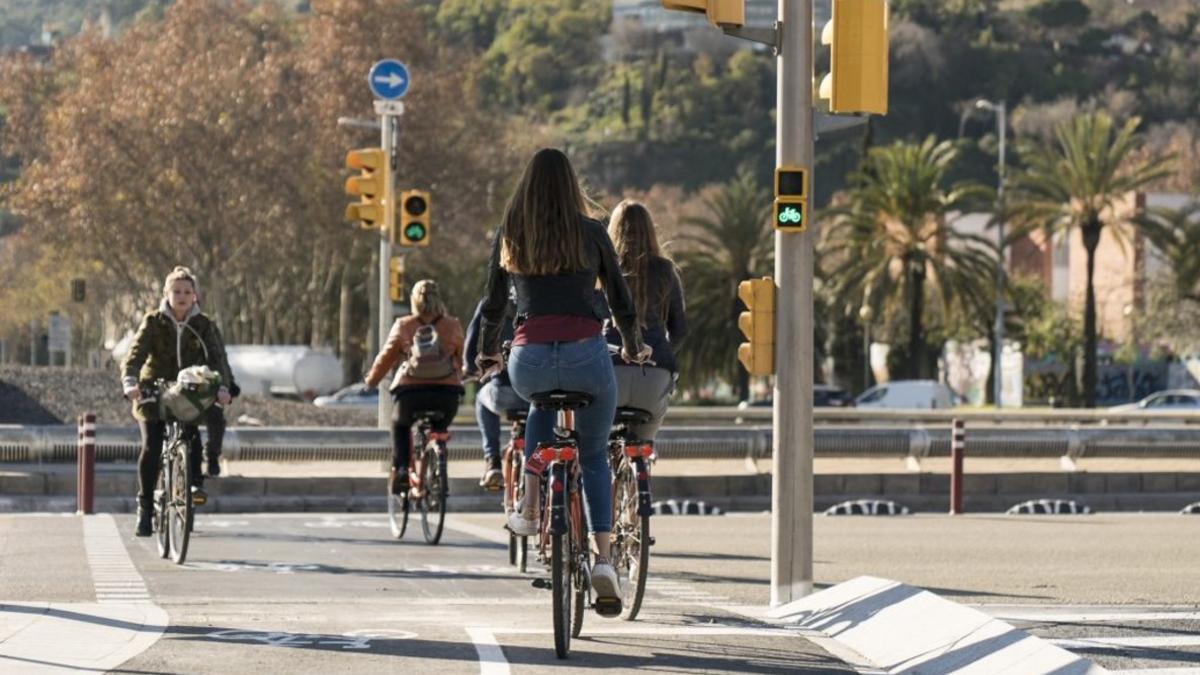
{"points": [[114, 577]]}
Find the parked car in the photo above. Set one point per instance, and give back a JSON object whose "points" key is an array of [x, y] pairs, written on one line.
{"points": [[1168, 399], [824, 396], [354, 396], [911, 394]]}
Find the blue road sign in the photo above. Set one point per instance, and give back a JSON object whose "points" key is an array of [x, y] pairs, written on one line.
{"points": [[388, 79]]}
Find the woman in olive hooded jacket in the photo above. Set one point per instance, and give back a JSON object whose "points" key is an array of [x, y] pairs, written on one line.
{"points": [[174, 336]]}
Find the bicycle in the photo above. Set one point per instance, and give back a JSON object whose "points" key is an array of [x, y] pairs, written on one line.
{"points": [[562, 536], [513, 465], [428, 483], [174, 500], [630, 460]]}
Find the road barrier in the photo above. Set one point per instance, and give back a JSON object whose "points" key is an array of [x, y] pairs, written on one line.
{"points": [[50, 444], [85, 482]]}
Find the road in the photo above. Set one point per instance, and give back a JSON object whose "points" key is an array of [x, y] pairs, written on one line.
{"points": [[324, 593]]}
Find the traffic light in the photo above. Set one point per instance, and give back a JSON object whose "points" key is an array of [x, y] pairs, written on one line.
{"points": [[368, 186], [758, 325], [413, 225], [857, 36], [791, 199], [719, 12], [396, 290]]}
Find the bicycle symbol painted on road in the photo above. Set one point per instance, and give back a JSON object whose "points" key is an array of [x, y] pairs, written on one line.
{"points": [[358, 639]]}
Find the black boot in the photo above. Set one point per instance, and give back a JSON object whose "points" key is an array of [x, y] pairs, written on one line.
{"points": [[143, 522], [214, 467]]}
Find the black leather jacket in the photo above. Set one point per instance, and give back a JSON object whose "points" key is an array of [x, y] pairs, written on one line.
{"points": [[570, 294]]}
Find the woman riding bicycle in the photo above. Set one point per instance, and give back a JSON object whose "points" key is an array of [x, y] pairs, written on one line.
{"points": [[428, 344], [173, 337], [658, 293], [552, 254]]}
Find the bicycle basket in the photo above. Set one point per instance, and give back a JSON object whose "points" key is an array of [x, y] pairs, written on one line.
{"points": [[194, 392]]}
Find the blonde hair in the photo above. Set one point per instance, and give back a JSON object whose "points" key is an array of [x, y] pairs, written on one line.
{"points": [[426, 299], [541, 233], [180, 273], [631, 229]]}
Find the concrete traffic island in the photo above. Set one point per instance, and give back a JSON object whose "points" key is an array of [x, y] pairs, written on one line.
{"points": [[898, 628]]}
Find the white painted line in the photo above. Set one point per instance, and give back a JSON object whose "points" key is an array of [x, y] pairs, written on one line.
{"points": [[491, 656], [1157, 671], [1094, 617], [110, 563], [1117, 643]]}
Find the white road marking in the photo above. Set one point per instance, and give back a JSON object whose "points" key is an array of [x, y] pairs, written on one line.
{"points": [[1157, 671], [1117, 643], [114, 577], [652, 630], [491, 656], [1098, 616]]}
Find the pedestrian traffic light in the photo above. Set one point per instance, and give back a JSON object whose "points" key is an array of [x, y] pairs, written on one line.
{"points": [[368, 186], [857, 36], [396, 290], [413, 226], [791, 199], [758, 325], [719, 12]]}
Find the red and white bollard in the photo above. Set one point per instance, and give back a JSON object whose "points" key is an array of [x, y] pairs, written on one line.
{"points": [[85, 484], [958, 446]]}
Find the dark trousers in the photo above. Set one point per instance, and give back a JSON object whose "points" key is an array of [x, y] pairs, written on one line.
{"points": [[409, 403], [150, 458], [214, 422]]}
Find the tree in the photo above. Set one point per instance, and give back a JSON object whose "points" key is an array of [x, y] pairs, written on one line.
{"points": [[1073, 183], [730, 245], [893, 249], [1176, 234]]}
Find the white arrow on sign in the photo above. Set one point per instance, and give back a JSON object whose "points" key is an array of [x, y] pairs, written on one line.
{"points": [[392, 80]]}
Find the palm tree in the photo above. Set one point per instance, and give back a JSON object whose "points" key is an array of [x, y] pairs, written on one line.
{"points": [[731, 245], [1176, 234], [892, 248], [1073, 183]]}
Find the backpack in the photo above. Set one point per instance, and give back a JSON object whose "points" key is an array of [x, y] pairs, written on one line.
{"points": [[427, 360]]}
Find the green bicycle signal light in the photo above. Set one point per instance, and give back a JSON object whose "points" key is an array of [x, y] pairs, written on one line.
{"points": [[413, 228], [791, 199]]}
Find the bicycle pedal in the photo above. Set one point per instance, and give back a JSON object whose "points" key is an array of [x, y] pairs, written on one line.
{"points": [[607, 606], [543, 584]]}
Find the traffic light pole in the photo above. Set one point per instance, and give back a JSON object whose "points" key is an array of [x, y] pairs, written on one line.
{"points": [[387, 124], [792, 439]]}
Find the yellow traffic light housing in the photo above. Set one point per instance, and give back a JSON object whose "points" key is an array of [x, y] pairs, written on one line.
{"points": [[758, 325], [396, 290], [718, 12], [413, 226], [791, 199], [857, 36], [368, 186]]}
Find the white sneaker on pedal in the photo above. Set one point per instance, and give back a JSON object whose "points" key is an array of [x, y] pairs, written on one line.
{"points": [[606, 590], [520, 526]]}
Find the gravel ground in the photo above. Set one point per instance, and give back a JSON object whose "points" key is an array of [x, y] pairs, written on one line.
{"points": [[44, 395]]}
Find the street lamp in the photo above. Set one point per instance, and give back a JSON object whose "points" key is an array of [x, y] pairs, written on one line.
{"points": [[864, 314], [1001, 110]]}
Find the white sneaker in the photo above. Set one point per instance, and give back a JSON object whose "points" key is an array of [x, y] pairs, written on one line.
{"points": [[520, 526], [606, 590]]}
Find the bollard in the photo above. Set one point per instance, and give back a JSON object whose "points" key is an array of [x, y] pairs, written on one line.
{"points": [[85, 484], [958, 445]]}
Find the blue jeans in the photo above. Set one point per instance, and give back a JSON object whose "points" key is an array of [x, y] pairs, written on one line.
{"points": [[492, 400], [583, 366]]}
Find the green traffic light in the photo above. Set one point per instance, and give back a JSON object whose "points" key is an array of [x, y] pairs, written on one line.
{"points": [[414, 232]]}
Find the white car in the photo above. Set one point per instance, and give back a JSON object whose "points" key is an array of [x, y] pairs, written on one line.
{"points": [[909, 394], [1168, 399], [354, 396]]}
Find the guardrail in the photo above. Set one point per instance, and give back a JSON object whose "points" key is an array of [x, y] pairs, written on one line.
{"points": [[49, 444], [973, 417]]}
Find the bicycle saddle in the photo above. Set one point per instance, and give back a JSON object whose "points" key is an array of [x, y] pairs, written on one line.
{"points": [[561, 400]]}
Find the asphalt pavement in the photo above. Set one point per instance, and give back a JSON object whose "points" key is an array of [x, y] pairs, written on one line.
{"points": [[336, 593]]}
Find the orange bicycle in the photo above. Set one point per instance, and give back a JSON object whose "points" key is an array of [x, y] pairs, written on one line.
{"points": [[428, 484]]}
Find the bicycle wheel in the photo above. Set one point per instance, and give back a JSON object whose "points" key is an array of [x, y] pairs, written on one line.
{"points": [[162, 493], [580, 564], [560, 585], [433, 505], [518, 547], [180, 512], [397, 506], [631, 536]]}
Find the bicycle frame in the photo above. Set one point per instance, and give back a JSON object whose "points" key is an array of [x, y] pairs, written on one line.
{"points": [[416, 456]]}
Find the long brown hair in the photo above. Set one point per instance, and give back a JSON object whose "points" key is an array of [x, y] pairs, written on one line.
{"points": [[631, 229], [541, 233]]}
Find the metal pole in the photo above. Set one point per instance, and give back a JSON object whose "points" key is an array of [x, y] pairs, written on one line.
{"points": [[998, 356], [792, 438], [958, 446], [385, 253]]}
